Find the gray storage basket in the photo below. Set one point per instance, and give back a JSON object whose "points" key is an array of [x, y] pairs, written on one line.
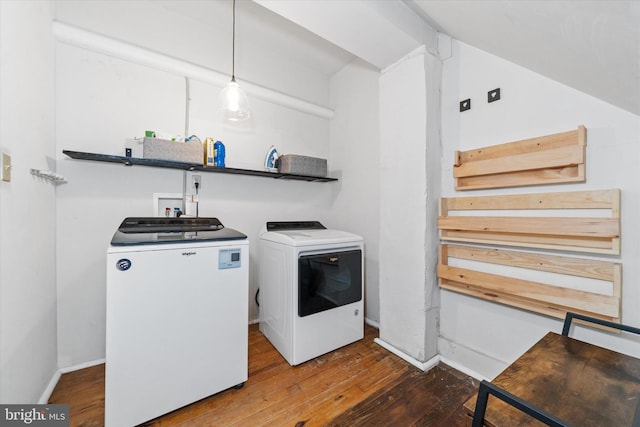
{"points": [[302, 165], [162, 149]]}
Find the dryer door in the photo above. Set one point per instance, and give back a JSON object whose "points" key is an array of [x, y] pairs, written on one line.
{"points": [[328, 280]]}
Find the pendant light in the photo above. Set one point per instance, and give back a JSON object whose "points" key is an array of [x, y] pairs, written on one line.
{"points": [[233, 100]]}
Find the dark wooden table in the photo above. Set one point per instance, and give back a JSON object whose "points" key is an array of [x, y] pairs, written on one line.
{"points": [[582, 384]]}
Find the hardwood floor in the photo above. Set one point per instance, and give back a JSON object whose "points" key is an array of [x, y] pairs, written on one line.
{"points": [[358, 385]]}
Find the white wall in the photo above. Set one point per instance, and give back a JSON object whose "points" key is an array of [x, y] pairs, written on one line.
{"points": [[200, 33], [409, 193], [485, 337], [355, 159], [101, 100], [27, 203]]}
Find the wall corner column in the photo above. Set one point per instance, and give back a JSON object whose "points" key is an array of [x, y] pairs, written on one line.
{"points": [[410, 177]]}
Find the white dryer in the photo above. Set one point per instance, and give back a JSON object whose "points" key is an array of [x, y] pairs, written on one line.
{"points": [[311, 288]]}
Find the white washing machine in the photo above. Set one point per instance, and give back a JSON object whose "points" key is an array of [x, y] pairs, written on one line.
{"points": [[177, 315], [311, 288]]}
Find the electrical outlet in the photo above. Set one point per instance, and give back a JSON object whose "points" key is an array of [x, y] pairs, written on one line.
{"points": [[197, 179], [6, 167]]}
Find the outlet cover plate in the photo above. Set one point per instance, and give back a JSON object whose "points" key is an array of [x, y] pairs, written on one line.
{"points": [[6, 167]]}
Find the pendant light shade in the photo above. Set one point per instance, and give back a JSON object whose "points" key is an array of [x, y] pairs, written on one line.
{"points": [[233, 101]]}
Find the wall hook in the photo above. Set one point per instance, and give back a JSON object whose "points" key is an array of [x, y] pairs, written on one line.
{"points": [[48, 175]]}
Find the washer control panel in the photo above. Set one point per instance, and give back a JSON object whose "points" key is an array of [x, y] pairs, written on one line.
{"points": [[228, 258]]}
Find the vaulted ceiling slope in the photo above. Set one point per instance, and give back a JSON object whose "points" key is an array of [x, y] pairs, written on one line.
{"points": [[590, 45]]}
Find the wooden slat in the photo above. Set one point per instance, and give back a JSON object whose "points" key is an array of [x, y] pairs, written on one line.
{"points": [[596, 246], [576, 233], [558, 313], [541, 143], [547, 176], [588, 268], [558, 157], [574, 227], [547, 159], [543, 298], [591, 199], [525, 290]]}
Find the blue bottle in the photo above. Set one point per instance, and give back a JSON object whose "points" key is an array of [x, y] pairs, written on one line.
{"points": [[218, 159]]}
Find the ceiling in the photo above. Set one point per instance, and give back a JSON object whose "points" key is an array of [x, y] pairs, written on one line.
{"points": [[590, 45]]}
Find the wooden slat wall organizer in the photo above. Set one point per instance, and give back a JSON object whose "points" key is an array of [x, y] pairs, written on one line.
{"points": [[551, 159], [538, 297], [594, 234]]}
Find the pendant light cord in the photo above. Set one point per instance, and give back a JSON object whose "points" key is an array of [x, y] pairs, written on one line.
{"points": [[233, 45]]}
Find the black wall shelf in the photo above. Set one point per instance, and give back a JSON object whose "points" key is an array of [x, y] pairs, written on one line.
{"points": [[130, 161]]}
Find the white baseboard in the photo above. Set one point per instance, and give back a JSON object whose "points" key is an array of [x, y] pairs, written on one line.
{"points": [[82, 366], [46, 394], [470, 361], [463, 369], [424, 366], [372, 323]]}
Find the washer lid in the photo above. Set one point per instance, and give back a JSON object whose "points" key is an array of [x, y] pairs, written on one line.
{"points": [[153, 230], [297, 235]]}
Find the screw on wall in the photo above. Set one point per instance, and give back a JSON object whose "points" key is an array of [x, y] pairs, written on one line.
{"points": [[493, 95], [465, 105]]}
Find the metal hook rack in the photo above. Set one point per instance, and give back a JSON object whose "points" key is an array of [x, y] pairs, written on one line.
{"points": [[49, 176]]}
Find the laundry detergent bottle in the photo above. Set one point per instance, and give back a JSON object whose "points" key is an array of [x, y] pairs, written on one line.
{"points": [[219, 155]]}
